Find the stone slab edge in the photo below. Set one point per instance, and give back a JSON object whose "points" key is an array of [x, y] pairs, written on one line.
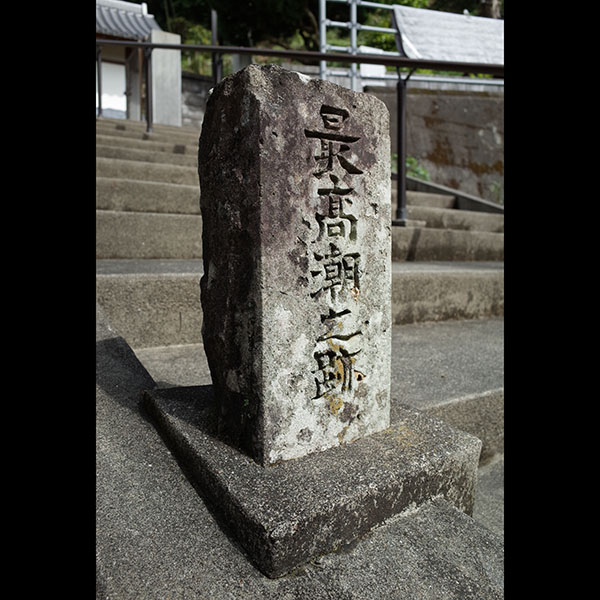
{"points": [[286, 514]]}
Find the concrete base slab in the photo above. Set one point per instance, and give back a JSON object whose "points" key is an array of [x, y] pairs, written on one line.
{"points": [[489, 497], [285, 514]]}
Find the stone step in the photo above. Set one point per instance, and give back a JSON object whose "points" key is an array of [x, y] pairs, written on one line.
{"points": [[448, 218], [427, 244], [166, 138], [128, 234], [453, 370], [146, 171], [126, 142], [146, 155], [122, 234], [164, 133], [423, 199], [157, 302], [140, 126], [115, 193]]}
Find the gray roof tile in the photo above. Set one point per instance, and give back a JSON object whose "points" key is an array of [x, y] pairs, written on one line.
{"points": [[436, 35], [124, 20]]}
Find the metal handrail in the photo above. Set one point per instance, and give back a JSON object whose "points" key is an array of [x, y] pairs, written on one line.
{"points": [[373, 59], [400, 62]]}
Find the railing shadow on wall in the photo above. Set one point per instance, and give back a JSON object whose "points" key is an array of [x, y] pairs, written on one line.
{"points": [[399, 62]]}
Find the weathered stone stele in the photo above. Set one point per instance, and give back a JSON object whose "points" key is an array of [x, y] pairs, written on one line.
{"points": [[296, 292]]}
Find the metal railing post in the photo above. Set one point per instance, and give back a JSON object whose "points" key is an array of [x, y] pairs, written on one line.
{"points": [[353, 42], [322, 37], [217, 61], [99, 67], [401, 214], [148, 61]]}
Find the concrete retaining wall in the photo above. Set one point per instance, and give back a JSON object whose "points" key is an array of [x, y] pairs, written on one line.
{"points": [[194, 94], [457, 136]]}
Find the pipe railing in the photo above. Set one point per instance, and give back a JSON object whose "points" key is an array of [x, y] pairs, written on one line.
{"points": [[399, 62]]}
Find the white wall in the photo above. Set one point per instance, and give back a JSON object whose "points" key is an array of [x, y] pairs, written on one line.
{"points": [[166, 79], [113, 87]]}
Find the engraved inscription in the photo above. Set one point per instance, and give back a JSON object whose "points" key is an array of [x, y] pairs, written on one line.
{"points": [[335, 371], [333, 145], [335, 260], [338, 271]]}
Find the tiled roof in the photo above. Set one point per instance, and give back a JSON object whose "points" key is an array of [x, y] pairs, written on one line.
{"points": [[124, 19], [436, 35]]}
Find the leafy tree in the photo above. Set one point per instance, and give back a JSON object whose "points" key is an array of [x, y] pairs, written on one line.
{"points": [[481, 8], [288, 23], [256, 22]]}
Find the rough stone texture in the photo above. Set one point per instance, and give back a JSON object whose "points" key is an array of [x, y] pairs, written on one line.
{"points": [[295, 179], [286, 514]]}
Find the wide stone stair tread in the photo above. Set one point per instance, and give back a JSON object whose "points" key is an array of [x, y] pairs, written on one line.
{"points": [[147, 235], [427, 244], [424, 199], [147, 155], [155, 302], [146, 171], [137, 234], [166, 147], [141, 126], [182, 138], [159, 133], [450, 218], [117, 193]]}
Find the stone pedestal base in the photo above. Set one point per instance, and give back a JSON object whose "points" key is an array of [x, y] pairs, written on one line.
{"points": [[285, 514]]}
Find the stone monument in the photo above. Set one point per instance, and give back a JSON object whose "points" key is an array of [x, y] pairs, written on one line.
{"points": [[292, 443], [296, 291]]}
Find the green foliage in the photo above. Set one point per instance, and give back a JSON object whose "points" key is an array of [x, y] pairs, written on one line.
{"points": [[458, 6], [413, 168], [192, 33], [288, 24], [276, 22], [497, 189], [248, 23]]}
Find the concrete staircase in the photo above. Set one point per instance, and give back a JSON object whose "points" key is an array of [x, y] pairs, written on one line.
{"points": [[448, 276], [447, 302], [149, 239]]}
